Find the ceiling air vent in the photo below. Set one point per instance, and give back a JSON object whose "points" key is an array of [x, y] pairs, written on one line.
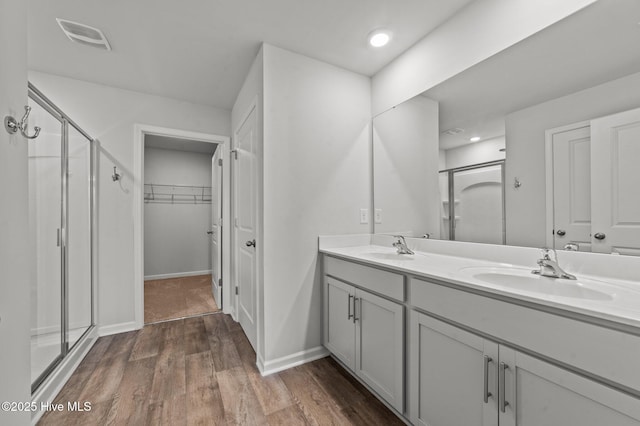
{"points": [[453, 132], [84, 34]]}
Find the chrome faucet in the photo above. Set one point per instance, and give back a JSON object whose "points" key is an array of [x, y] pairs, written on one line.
{"points": [[401, 245], [550, 268]]}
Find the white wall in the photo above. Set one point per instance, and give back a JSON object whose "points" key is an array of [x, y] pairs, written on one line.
{"points": [[15, 258], [480, 30], [316, 179], [109, 114], [475, 153], [405, 161], [175, 234], [525, 139]]}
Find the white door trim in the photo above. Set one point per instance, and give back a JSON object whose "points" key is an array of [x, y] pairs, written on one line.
{"points": [[548, 161], [140, 130]]}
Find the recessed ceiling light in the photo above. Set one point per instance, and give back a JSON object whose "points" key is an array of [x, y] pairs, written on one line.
{"points": [[475, 139], [379, 38]]}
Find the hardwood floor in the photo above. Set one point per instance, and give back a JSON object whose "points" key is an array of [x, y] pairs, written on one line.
{"points": [[201, 371], [178, 298]]}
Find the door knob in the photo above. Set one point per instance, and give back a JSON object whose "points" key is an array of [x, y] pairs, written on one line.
{"points": [[561, 232], [251, 243], [599, 236]]}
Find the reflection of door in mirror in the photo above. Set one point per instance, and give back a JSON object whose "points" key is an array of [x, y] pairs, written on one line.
{"points": [[572, 187], [473, 204], [595, 184], [615, 178]]}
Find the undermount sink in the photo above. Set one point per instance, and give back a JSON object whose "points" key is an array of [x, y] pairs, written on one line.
{"points": [[390, 256], [523, 279]]}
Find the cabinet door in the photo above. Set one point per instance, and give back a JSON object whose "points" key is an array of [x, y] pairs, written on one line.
{"points": [[339, 327], [447, 375], [541, 394], [380, 346]]}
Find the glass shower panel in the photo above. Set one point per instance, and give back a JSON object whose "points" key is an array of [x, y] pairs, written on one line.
{"points": [[478, 205], [45, 225], [78, 235]]}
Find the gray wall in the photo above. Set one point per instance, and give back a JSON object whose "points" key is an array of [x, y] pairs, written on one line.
{"points": [[316, 180], [175, 234], [15, 259]]}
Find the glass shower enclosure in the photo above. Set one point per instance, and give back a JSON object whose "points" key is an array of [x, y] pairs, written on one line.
{"points": [[473, 203], [61, 206]]}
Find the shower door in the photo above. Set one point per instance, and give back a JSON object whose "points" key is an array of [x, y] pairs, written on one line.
{"points": [[473, 203], [60, 219], [45, 226]]}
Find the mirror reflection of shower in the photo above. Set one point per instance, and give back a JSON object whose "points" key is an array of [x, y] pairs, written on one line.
{"points": [[473, 203]]}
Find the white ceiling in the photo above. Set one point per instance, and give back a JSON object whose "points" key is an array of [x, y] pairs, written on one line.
{"points": [[201, 50], [596, 45]]}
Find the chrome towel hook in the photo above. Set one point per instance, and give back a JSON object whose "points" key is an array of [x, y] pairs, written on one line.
{"points": [[12, 125]]}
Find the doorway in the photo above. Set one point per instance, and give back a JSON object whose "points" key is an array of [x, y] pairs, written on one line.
{"points": [[179, 192], [179, 239]]}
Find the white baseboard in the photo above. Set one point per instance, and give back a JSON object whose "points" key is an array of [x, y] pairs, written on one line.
{"points": [[123, 327], [176, 275], [290, 361]]}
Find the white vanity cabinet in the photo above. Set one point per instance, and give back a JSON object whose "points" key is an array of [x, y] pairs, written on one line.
{"points": [[363, 330], [540, 393], [461, 377], [453, 375]]}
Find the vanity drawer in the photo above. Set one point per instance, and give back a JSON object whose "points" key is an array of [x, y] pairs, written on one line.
{"points": [[607, 353], [383, 282]]}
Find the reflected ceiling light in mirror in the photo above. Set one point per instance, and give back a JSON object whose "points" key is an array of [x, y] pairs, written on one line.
{"points": [[474, 139], [379, 37]]}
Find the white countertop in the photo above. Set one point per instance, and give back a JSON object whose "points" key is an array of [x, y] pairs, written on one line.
{"points": [[620, 304]]}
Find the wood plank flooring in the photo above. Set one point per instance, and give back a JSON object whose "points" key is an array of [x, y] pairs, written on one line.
{"points": [[177, 298], [201, 371]]}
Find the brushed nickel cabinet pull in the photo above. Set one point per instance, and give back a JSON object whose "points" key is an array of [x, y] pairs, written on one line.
{"points": [[501, 391], [486, 393]]}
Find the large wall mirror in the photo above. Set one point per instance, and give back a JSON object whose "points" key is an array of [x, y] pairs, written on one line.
{"points": [[537, 139]]}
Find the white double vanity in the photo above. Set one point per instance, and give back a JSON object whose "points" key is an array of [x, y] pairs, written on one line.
{"points": [[464, 334]]}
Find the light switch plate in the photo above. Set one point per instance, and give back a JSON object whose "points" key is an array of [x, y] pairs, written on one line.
{"points": [[378, 215], [364, 216]]}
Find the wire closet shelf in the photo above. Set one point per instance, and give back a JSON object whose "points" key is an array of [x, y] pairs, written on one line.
{"points": [[176, 194]]}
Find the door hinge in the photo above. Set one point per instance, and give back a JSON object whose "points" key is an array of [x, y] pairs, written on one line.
{"points": [[236, 290], [220, 162]]}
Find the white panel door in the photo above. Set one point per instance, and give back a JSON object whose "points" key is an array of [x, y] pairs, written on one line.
{"points": [[244, 196], [572, 188], [379, 346], [447, 375], [339, 332], [615, 182], [216, 225], [542, 394]]}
